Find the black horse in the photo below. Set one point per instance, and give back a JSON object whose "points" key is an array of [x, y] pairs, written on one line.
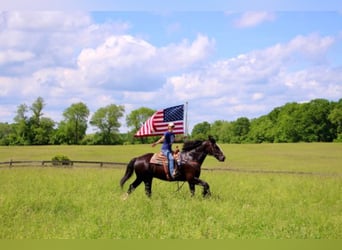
{"points": [[193, 154]]}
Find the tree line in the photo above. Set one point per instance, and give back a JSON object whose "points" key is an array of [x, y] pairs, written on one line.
{"points": [[316, 121], [31, 127]]}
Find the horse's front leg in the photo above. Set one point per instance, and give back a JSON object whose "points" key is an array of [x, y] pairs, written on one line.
{"points": [[192, 188], [205, 185]]}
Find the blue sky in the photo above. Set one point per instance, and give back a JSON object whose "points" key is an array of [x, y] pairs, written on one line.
{"points": [[227, 62]]}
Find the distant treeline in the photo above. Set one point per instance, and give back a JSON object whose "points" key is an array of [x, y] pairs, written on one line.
{"points": [[319, 120], [316, 121]]}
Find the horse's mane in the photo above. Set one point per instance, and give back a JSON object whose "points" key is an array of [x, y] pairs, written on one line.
{"points": [[190, 145]]}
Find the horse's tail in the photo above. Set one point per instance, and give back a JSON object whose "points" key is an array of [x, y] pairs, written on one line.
{"points": [[129, 172]]}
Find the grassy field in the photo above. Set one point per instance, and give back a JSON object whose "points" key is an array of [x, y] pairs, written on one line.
{"points": [[85, 203]]}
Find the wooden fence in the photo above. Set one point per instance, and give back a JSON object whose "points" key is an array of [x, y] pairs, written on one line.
{"points": [[66, 164], [120, 165]]}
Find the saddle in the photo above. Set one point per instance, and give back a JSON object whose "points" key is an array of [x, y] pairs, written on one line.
{"points": [[160, 159]]}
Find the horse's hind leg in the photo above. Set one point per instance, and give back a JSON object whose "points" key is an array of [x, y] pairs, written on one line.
{"points": [[148, 188], [134, 185]]}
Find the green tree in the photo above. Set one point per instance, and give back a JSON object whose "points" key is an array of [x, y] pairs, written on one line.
{"points": [[41, 128], [107, 121], [201, 131], [313, 121], [43, 133], [37, 108], [60, 136], [74, 124], [216, 129], [240, 129], [335, 117], [287, 127], [227, 135], [5, 132], [21, 127], [261, 130]]}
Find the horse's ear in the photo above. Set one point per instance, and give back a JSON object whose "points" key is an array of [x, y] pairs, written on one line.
{"points": [[211, 139]]}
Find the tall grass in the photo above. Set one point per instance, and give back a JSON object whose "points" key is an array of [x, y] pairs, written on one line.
{"points": [[46, 203]]}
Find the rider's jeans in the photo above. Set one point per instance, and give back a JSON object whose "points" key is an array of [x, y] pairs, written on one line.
{"points": [[169, 156]]}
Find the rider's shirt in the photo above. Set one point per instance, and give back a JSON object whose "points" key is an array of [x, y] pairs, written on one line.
{"points": [[169, 138]]}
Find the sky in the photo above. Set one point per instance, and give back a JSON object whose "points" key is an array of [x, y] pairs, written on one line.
{"points": [[225, 61]]}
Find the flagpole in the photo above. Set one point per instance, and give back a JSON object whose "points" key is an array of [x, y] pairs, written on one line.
{"points": [[186, 120]]}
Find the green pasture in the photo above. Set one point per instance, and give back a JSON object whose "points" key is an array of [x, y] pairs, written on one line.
{"points": [[86, 203], [306, 157]]}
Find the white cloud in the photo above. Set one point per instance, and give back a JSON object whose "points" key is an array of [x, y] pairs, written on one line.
{"points": [[112, 62], [257, 96], [12, 56], [314, 82], [54, 38], [254, 18], [168, 58], [118, 52], [46, 20]]}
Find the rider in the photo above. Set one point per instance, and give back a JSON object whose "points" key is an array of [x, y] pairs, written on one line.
{"points": [[168, 138]]}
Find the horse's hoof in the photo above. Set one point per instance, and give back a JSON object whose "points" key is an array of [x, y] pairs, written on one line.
{"points": [[124, 196], [207, 194]]}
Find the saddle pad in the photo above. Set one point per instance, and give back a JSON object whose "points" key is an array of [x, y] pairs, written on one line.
{"points": [[158, 158]]}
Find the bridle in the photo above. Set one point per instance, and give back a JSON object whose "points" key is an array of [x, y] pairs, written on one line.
{"points": [[212, 150], [207, 148]]}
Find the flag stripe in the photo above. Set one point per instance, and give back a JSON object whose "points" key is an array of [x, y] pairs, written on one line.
{"points": [[158, 122]]}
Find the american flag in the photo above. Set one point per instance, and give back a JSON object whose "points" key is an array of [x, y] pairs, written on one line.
{"points": [[157, 123]]}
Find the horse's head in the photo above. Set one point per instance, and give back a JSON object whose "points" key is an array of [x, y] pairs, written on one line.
{"points": [[213, 149]]}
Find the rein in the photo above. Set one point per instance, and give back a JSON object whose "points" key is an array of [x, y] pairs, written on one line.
{"points": [[179, 187]]}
